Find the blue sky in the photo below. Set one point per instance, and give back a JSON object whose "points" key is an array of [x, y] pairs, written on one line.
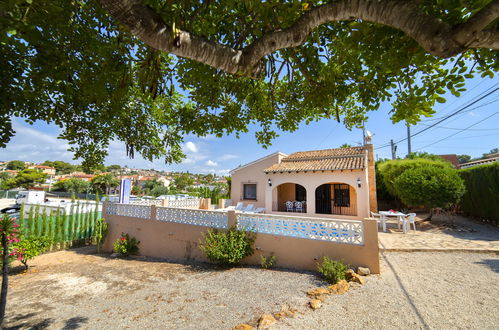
{"points": [[219, 155]]}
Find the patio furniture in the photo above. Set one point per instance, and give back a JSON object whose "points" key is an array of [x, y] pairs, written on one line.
{"points": [[380, 218], [240, 206], [298, 207], [259, 210], [410, 219], [249, 208], [289, 206], [400, 218]]}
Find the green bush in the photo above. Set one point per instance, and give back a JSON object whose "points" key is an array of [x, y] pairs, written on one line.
{"points": [[392, 169], [101, 229], [126, 245], [227, 247], [481, 198], [31, 247], [429, 186], [332, 270], [267, 262]]}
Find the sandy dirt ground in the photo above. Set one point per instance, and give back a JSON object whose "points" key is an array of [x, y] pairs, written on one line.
{"points": [[79, 289]]}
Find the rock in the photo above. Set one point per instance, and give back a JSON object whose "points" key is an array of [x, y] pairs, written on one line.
{"points": [[359, 279], [266, 321], [363, 271], [349, 274], [339, 288], [322, 297], [291, 312], [279, 315], [318, 292], [242, 327], [114, 255], [315, 304]]}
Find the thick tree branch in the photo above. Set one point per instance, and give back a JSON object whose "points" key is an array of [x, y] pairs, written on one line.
{"points": [[435, 36]]}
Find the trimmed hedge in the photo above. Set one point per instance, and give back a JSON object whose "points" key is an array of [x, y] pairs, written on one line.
{"points": [[481, 198]]}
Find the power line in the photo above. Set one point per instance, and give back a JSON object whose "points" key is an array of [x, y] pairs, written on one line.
{"points": [[462, 130], [478, 98], [462, 113], [459, 128]]}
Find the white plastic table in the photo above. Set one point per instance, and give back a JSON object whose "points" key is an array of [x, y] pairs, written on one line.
{"points": [[401, 218]]}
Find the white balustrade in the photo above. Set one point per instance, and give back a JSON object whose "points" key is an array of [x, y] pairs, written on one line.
{"points": [[338, 231], [192, 217], [129, 210], [332, 230], [156, 202], [191, 203]]}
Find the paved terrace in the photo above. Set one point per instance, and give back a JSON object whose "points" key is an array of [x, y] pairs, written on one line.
{"points": [[441, 234]]}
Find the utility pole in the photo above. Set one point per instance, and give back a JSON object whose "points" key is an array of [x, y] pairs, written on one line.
{"points": [[408, 139], [394, 149]]}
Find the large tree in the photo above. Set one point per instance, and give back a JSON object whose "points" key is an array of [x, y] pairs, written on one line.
{"points": [[147, 72]]}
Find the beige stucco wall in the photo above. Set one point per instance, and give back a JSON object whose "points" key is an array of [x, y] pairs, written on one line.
{"points": [[311, 181], [180, 242], [253, 173]]}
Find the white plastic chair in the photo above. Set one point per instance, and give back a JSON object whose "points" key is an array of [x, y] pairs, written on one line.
{"points": [[289, 206], [410, 219], [380, 218], [239, 206], [298, 207], [259, 210]]}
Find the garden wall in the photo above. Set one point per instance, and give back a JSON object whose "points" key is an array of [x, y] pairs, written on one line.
{"points": [[177, 240]]}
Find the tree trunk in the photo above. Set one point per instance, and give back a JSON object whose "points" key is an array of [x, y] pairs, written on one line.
{"points": [[5, 277]]}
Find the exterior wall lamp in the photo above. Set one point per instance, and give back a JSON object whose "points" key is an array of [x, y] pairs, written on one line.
{"points": [[270, 182], [359, 182]]}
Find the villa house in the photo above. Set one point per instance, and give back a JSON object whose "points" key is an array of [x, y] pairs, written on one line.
{"points": [[336, 183]]}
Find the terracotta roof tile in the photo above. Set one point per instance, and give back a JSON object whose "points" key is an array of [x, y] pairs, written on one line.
{"points": [[322, 160]]}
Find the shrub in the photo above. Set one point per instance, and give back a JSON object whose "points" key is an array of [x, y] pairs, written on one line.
{"points": [[267, 262], [31, 247], [392, 169], [429, 186], [126, 245], [227, 247], [101, 229], [332, 270], [482, 191]]}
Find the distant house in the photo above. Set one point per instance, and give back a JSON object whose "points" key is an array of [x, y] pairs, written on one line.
{"points": [[336, 183], [453, 159], [492, 158], [78, 175], [49, 170]]}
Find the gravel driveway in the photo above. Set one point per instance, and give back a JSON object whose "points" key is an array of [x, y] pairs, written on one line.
{"points": [[73, 289]]}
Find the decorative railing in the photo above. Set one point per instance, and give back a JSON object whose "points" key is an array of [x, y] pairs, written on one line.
{"points": [[192, 217], [191, 203], [156, 202], [129, 210], [338, 231], [332, 230]]}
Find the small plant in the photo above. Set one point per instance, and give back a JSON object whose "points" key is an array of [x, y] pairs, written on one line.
{"points": [[227, 247], [267, 262], [126, 245], [332, 270], [31, 247], [101, 229]]}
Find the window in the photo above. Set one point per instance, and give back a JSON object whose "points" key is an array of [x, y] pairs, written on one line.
{"points": [[249, 191], [341, 195]]}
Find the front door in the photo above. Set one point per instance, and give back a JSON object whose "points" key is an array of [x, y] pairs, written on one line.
{"points": [[323, 199]]}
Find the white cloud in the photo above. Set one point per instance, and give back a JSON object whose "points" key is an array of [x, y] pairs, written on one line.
{"points": [[210, 163], [191, 147], [227, 157]]}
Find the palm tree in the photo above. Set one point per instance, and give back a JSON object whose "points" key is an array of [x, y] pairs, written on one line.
{"points": [[104, 182]]}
